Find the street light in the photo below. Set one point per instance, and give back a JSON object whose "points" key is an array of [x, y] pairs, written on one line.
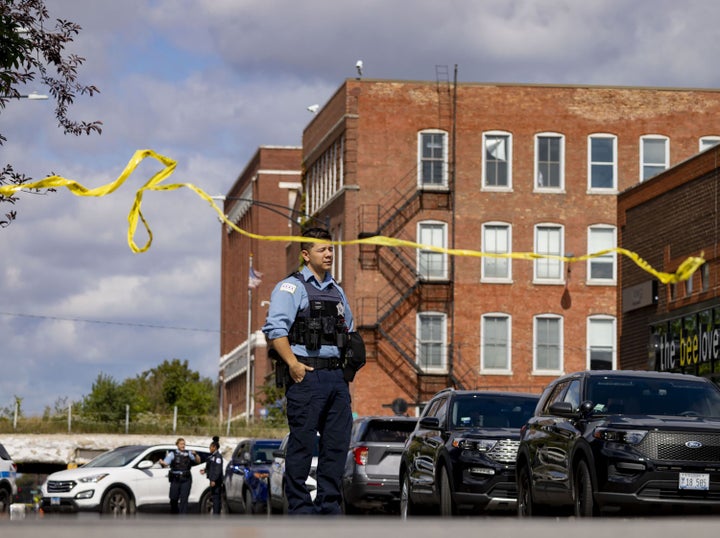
{"points": [[34, 96], [276, 208]]}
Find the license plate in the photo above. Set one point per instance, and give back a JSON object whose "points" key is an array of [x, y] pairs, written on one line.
{"points": [[54, 500], [696, 481]]}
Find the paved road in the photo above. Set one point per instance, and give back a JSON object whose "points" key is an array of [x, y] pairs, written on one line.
{"points": [[358, 527]]}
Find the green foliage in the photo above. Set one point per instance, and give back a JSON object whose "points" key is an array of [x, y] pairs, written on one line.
{"points": [[154, 392], [9, 410], [273, 398], [32, 49], [106, 401]]}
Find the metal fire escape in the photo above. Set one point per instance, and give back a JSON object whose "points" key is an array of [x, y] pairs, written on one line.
{"points": [[388, 320]]}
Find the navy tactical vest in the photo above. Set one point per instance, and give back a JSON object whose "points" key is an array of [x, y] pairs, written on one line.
{"points": [[181, 461], [322, 322]]}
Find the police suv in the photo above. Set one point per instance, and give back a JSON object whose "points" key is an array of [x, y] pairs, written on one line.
{"points": [[8, 472]]}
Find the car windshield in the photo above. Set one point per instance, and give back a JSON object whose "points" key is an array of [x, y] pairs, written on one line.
{"points": [[635, 396], [388, 431], [116, 458], [262, 452], [4, 453], [492, 411]]}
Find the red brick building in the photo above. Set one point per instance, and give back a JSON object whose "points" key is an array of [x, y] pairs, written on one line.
{"points": [[490, 168], [673, 327], [261, 201]]}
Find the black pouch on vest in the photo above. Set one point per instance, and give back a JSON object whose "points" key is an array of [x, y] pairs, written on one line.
{"points": [[353, 356]]}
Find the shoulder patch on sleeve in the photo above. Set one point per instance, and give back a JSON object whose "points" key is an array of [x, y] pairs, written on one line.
{"points": [[288, 287]]}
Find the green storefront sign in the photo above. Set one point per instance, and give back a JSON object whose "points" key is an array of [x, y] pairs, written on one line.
{"points": [[689, 344]]}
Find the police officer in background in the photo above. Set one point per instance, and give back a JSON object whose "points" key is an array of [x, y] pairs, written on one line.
{"points": [[180, 461], [214, 472], [307, 325]]}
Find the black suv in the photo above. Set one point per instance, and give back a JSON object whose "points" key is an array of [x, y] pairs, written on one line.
{"points": [[370, 480], [462, 452], [602, 440]]}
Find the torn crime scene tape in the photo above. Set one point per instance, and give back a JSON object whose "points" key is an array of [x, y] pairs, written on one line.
{"points": [[684, 271]]}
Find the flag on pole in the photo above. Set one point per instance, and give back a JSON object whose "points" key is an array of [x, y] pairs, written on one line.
{"points": [[255, 279]]}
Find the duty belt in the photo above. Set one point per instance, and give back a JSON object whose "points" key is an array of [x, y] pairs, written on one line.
{"points": [[322, 363]]}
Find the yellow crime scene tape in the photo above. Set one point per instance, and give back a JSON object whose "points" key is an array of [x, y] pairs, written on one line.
{"points": [[683, 272]]}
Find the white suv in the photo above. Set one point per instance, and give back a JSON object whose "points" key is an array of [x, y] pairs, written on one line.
{"points": [[8, 472], [122, 481]]}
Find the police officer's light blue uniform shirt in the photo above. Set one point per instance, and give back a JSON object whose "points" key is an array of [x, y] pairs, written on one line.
{"points": [[170, 456], [288, 298]]}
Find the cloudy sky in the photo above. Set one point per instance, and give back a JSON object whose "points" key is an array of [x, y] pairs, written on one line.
{"points": [[205, 82]]}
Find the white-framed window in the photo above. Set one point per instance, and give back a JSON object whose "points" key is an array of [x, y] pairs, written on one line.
{"points": [[325, 176], [602, 269], [548, 344], [496, 239], [705, 277], [432, 159], [601, 354], [495, 337], [602, 162], [432, 265], [549, 161], [549, 241], [432, 341], [497, 160], [706, 142], [654, 155]]}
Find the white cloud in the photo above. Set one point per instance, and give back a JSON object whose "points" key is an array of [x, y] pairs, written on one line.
{"points": [[205, 82]]}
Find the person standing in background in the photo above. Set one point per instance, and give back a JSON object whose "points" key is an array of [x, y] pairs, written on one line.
{"points": [[214, 472], [180, 461]]}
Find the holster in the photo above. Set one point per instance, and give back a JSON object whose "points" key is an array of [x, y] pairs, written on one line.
{"points": [[282, 372]]}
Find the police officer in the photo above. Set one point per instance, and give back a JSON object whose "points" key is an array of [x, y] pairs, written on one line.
{"points": [[214, 472], [180, 461], [307, 326]]}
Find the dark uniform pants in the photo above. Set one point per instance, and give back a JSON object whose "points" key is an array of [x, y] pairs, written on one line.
{"points": [[216, 495], [320, 403], [179, 493]]}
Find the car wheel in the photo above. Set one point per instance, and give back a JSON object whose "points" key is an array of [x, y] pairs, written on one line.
{"points": [[4, 500], [525, 505], [407, 507], [447, 506], [206, 503], [248, 502], [584, 500], [348, 508], [117, 502]]}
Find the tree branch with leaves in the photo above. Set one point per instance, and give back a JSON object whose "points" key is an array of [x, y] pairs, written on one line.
{"points": [[33, 48]]}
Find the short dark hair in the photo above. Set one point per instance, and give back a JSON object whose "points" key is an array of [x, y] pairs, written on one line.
{"points": [[315, 233]]}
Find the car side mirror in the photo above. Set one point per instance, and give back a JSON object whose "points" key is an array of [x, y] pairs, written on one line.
{"points": [[563, 409], [430, 423], [145, 464], [278, 453]]}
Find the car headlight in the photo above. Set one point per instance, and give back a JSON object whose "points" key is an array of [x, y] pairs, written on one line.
{"points": [[92, 479], [630, 437], [479, 445]]}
